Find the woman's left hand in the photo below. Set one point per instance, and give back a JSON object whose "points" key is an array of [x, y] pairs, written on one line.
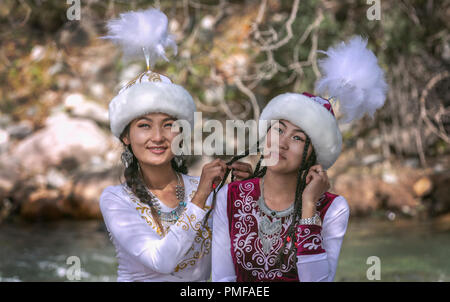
{"points": [[241, 170], [317, 184]]}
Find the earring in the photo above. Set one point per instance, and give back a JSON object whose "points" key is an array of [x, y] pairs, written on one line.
{"points": [[179, 159], [127, 157]]}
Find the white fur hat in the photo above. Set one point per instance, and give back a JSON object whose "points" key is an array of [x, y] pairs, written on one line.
{"points": [[145, 33], [351, 76], [314, 115], [155, 93]]}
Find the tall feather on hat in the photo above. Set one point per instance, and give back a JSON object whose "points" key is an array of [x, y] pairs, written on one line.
{"points": [[145, 33], [142, 33], [353, 77]]}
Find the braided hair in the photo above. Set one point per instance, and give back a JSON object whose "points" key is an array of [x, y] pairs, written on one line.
{"points": [[306, 164], [134, 181]]}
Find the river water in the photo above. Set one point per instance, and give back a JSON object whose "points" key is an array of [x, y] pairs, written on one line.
{"points": [[406, 251]]}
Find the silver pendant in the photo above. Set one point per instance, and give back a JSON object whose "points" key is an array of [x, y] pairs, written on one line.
{"points": [[269, 232], [270, 229]]}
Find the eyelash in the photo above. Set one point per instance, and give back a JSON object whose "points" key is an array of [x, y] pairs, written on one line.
{"points": [[280, 131], [143, 125]]}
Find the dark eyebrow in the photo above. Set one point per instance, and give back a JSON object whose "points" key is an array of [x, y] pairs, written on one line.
{"points": [[164, 120], [298, 130]]}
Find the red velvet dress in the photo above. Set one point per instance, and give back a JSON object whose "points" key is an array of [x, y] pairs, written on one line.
{"points": [[250, 261]]}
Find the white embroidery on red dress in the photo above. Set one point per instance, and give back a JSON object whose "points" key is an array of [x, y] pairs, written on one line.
{"points": [[310, 241], [246, 243]]}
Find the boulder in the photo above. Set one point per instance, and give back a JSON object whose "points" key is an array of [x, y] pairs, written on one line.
{"points": [[42, 204], [84, 192], [63, 140], [79, 106], [359, 191]]}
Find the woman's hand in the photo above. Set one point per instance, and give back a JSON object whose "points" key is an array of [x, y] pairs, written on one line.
{"points": [[241, 170], [317, 184], [212, 174]]}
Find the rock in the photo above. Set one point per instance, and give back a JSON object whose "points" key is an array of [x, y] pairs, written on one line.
{"points": [[79, 106], [397, 196], [423, 186], [367, 193], [20, 130], [37, 53], [9, 175], [439, 198], [360, 193], [6, 207], [83, 199], [42, 204], [371, 159], [56, 179], [4, 140], [63, 139], [5, 120]]}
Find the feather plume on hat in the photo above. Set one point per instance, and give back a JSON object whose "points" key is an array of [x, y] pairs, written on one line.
{"points": [[146, 33], [353, 77], [142, 32]]}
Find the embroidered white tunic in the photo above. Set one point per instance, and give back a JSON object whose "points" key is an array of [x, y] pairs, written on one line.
{"points": [[237, 251], [143, 254]]}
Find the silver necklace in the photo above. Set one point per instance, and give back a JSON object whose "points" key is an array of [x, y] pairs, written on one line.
{"points": [[169, 218], [269, 230]]}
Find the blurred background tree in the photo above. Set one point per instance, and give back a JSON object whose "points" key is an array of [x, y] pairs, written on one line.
{"points": [[234, 56]]}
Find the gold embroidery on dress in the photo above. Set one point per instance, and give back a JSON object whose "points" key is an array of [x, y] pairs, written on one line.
{"points": [[145, 212], [203, 238], [202, 241], [192, 194]]}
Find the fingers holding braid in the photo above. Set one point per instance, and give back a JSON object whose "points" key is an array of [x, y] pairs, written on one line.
{"points": [[241, 170]]}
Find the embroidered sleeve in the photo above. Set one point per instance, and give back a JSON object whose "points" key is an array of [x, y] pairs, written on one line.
{"points": [[318, 254], [141, 241], [309, 240]]}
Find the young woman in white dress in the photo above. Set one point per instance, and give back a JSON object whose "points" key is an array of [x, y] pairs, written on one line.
{"points": [[157, 218], [281, 224]]}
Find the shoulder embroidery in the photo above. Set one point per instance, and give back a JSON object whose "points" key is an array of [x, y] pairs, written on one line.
{"points": [[202, 241], [144, 210]]}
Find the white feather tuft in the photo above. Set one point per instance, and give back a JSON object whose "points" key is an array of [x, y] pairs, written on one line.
{"points": [[142, 33], [352, 76]]}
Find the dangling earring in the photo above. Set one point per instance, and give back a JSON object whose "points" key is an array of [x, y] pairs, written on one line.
{"points": [[179, 159], [127, 157]]}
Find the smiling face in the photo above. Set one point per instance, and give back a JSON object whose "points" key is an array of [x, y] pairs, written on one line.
{"points": [[287, 150], [150, 137]]}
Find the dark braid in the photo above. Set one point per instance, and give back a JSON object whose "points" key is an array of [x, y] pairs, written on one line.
{"points": [[306, 164], [135, 182], [227, 172], [301, 184]]}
